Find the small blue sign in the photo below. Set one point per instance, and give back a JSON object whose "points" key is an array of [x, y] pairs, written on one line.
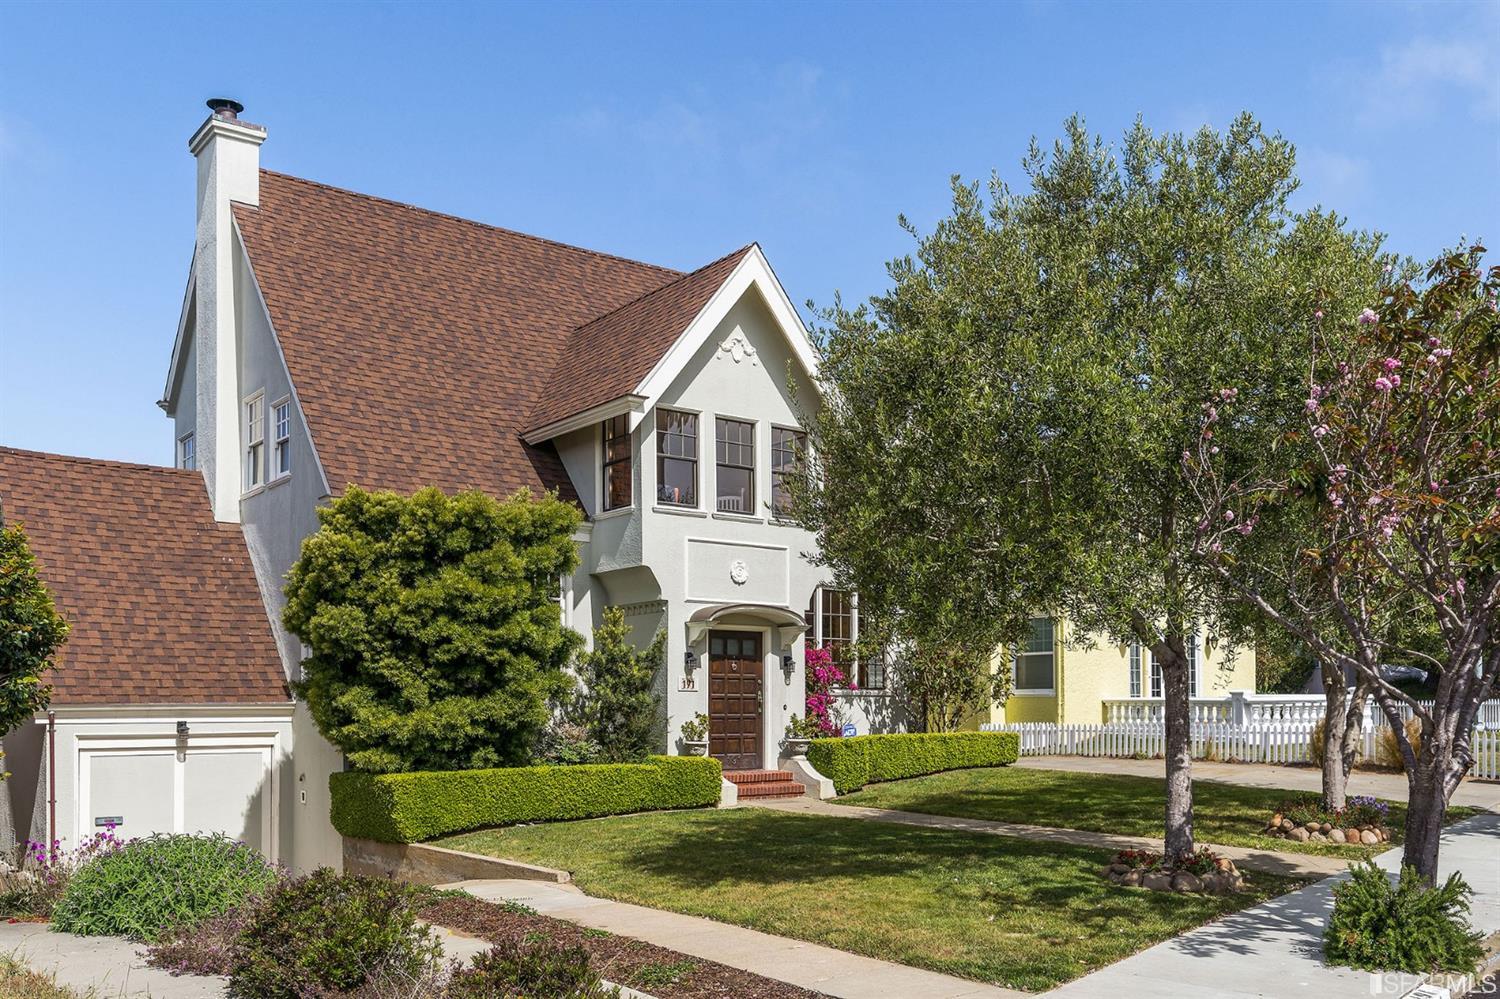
{"points": [[849, 731]]}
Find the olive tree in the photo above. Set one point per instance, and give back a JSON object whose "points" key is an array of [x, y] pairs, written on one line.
{"points": [[1002, 428]]}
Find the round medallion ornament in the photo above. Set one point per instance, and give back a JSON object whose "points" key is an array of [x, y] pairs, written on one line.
{"points": [[739, 572]]}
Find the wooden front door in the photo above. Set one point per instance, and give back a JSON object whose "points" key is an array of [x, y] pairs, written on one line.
{"points": [[734, 678]]}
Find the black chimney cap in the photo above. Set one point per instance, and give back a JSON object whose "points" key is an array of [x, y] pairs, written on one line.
{"points": [[223, 107]]}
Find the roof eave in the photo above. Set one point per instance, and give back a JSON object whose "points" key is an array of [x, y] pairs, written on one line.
{"points": [[625, 405]]}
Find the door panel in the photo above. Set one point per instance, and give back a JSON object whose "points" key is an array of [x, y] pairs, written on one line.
{"points": [[734, 699], [137, 788], [224, 792]]}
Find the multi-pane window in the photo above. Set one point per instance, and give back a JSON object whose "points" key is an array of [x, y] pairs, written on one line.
{"points": [[616, 468], [734, 442], [187, 451], [834, 619], [1034, 660], [1135, 669], [281, 453], [787, 447], [1156, 687], [676, 458], [255, 441]]}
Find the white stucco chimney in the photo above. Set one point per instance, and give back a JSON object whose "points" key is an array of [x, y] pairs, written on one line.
{"points": [[228, 153]]}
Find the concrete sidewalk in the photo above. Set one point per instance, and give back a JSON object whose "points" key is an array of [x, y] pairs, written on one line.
{"points": [[1473, 793], [812, 966], [1275, 948], [111, 966], [1292, 865]]}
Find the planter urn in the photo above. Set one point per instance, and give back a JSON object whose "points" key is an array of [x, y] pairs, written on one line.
{"points": [[695, 747], [797, 747]]}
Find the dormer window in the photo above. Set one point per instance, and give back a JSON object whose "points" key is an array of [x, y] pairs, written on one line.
{"points": [[735, 444], [616, 468], [676, 458]]}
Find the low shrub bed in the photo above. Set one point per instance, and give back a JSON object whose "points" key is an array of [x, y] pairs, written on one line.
{"points": [[867, 759], [411, 807], [1377, 926], [147, 886]]}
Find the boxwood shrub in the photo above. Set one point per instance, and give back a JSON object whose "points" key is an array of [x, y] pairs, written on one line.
{"points": [[411, 807], [866, 759]]}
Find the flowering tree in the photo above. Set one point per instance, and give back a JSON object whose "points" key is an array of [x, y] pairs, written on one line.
{"points": [[823, 675], [1000, 430], [1389, 478]]}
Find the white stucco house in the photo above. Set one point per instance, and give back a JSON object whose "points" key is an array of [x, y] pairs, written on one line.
{"points": [[329, 338]]}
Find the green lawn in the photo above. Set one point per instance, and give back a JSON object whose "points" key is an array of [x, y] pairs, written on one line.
{"points": [[1009, 911], [1227, 814]]}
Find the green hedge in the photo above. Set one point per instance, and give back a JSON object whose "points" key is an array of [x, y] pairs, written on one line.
{"points": [[411, 807], [866, 759]]}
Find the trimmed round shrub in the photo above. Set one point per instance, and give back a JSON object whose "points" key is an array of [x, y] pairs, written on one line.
{"points": [[325, 934], [512, 968], [151, 885], [1377, 926]]}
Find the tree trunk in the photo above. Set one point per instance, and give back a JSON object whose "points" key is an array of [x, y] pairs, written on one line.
{"points": [[1335, 712], [1179, 816], [1427, 802]]}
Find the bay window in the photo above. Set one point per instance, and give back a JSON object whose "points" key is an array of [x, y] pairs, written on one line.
{"points": [[616, 468]]}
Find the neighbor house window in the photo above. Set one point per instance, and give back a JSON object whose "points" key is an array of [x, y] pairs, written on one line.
{"points": [[1034, 660], [562, 595], [255, 440], [187, 451], [735, 448], [676, 458], [281, 449], [834, 619], [616, 469], [1135, 669], [1192, 658], [1192, 665], [787, 447]]}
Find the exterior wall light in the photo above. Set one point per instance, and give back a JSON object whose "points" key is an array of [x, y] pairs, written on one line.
{"points": [[788, 667], [182, 730], [690, 659]]}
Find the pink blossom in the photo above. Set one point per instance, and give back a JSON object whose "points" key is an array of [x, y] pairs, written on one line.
{"points": [[1384, 384], [1396, 380], [1433, 341], [1311, 405], [1226, 394], [1367, 317], [1228, 515], [1390, 363], [1443, 352], [1321, 430], [1214, 449], [1318, 314], [1246, 527]]}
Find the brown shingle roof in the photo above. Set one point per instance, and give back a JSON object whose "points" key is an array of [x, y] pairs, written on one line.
{"points": [[162, 601], [419, 343], [608, 357]]}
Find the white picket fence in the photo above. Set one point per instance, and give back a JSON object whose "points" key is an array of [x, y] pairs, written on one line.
{"points": [[1253, 742]]}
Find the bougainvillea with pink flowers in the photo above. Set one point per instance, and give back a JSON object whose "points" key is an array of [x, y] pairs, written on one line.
{"points": [[823, 676], [1373, 532]]}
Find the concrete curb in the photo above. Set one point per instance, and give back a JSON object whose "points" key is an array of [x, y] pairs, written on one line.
{"points": [[425, 864]]}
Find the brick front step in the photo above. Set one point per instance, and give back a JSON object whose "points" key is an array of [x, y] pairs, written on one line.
{"points": [[764, 783], [772, 789], [743, 777]]}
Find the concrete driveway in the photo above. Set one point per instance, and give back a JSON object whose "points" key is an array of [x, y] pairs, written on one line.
{"points": [[112, 967]]}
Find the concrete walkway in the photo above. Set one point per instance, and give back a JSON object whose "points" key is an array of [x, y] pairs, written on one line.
{"points": [[1392, 787], [1275, 948], [1292, 865], [111, 966], [823, 969]]}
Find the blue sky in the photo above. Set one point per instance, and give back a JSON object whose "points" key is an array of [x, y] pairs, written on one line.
{"points": [[668, 132]]}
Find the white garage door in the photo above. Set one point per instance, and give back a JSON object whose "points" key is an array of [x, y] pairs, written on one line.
{"points": [[152, 785]]}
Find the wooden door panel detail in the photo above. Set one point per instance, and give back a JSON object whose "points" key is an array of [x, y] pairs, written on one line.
{"points": [[734, 699]]}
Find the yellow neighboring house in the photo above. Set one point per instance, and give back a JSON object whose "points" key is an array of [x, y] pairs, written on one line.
{"points": [[1070, 685]]}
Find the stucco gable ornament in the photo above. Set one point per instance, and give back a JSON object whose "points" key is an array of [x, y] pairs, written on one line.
{"points": [[738, 348], [739, 572]]}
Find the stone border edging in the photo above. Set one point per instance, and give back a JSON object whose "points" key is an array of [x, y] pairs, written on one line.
{"points": [[423, 863]]}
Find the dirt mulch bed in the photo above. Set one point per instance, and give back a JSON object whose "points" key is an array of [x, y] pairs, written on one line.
{"points": [[667, 974]]}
